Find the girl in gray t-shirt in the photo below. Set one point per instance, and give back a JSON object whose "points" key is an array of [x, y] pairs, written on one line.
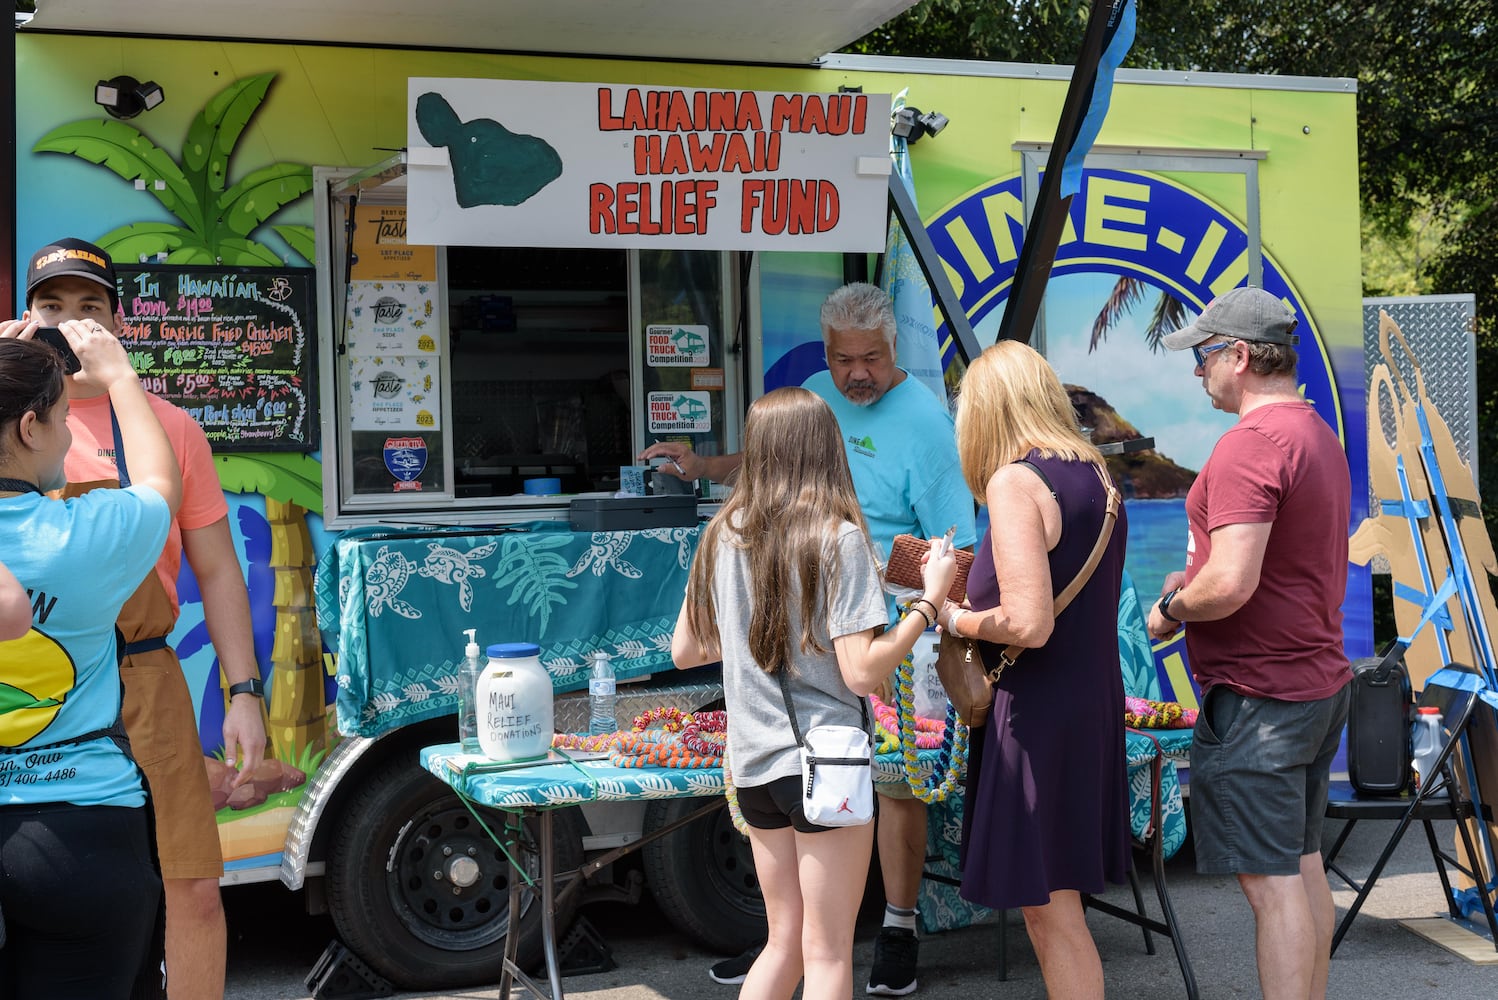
{"points": [[786, 579]]}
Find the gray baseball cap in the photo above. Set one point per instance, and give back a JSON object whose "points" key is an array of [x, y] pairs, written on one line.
{"points": [[1245, 313]]}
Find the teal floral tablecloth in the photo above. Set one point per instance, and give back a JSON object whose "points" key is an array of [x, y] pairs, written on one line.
{"points": [[393, 604]]}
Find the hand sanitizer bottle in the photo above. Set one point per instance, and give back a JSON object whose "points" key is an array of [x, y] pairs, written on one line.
{"points": [[468, 682]]}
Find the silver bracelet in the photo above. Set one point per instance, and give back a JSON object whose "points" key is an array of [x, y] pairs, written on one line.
{"points": [[952, 620]]}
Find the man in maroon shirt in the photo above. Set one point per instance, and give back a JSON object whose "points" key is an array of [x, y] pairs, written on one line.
{"points": [[1266, 572]]}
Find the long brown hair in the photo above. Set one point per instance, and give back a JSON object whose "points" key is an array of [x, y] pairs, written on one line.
{"points": [[31, 380], [1011, 403], [793, 493]]}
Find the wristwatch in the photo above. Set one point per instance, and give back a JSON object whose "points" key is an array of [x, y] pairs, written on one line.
{"points": [[251, 686], [1165, 607]]}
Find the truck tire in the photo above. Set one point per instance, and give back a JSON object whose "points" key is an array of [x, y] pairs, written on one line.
{"points": [[405, 898], [702, 876]]}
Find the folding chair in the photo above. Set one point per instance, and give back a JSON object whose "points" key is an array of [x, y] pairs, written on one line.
{"points": [[1454, 690]]}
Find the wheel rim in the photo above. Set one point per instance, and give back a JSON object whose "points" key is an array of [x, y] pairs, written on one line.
{"points": [[449, 883], [731, 864]]}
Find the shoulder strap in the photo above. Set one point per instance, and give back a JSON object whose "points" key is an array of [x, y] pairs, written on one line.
{"points": [[119, 449], [1039, 472], [790, 709], [1070, 591]]}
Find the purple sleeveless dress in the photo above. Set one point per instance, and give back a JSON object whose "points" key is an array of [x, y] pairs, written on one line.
{"points": [[1046, 805]]}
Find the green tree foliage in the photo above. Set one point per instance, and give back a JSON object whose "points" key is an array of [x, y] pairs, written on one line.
{"points": [[1427, 74]]}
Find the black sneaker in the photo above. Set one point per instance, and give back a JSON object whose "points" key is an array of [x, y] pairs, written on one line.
{"points": [[731, 971], [895, 953]]}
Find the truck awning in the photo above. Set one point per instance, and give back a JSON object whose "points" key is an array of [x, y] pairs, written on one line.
{"points": [[746, 31]]}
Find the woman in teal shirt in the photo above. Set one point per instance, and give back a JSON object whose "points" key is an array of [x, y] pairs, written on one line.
{"points": [[73, 817]]}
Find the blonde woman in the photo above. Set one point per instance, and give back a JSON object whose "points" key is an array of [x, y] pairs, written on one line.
{"points": [[1045, 813], [786, 580]]}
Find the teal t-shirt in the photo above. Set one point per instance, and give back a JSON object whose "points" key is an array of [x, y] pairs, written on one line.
{"points": [[80, 560], [902, 451]]}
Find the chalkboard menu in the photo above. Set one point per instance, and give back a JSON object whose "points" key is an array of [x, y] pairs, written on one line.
{"points": [[231, 346]]}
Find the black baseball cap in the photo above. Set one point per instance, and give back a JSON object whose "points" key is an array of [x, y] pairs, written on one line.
{"points": [[75, 258]]}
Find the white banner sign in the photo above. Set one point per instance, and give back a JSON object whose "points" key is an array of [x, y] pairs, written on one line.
{"points": [[528, 163]]}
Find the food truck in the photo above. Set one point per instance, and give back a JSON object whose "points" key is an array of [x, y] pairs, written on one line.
{"points": [[426, 279]]}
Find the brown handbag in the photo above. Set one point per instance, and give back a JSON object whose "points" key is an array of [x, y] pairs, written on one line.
{"points": [[959, 664]]}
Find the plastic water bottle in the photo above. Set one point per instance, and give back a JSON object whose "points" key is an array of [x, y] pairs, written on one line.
{"points": [[601, 695], [468, 682], [1428, 737]]}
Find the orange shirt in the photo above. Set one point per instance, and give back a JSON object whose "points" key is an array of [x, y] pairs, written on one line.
{"points": [[91, 459]]}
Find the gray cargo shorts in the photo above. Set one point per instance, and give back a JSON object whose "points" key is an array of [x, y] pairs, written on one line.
{"points": [[1259, 775]]}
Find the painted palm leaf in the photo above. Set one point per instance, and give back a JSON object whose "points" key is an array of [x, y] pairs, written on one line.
{"points": [[300, 239], [263, 193], [145, 240], [216, 130], [286, 477], [238, 252], [131, 155], [1168, 317], [1126, 294]]}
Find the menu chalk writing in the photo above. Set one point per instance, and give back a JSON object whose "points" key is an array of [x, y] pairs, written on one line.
{"points": [[231, 346]]}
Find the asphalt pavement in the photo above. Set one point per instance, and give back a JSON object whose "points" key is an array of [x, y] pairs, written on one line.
{"points": [[273, 945]]}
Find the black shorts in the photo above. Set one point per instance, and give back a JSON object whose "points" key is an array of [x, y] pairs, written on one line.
{"points": [[777, 805], [80, 891]]}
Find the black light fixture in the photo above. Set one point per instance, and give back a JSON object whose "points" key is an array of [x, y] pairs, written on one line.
{"points": [[126, 97], [911, 123]]}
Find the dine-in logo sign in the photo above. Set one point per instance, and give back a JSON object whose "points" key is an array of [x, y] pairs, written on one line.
{"points": [[1129, 223], [679, 412]]}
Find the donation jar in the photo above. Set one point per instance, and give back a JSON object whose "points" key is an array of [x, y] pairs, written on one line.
{"points": [[514, 703]]}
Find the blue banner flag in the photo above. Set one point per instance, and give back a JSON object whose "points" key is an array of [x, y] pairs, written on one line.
{"points": [[1118, 38]]}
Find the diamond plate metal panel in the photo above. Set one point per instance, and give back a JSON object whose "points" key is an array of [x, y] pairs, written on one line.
{"points": [[571, 709], [1439, 330]]}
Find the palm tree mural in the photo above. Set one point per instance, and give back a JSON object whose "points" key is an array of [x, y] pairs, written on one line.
{"points": [[296, 706], [1168, 316], [214, 220]]}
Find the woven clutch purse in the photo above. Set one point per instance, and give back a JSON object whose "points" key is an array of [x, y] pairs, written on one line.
{"points": [[904, 569]]}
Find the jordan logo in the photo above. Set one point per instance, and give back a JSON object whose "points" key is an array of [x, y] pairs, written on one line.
{"points": [[844, 808]]}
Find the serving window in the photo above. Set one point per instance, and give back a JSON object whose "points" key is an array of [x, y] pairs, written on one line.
{"points": [[493, 384]]}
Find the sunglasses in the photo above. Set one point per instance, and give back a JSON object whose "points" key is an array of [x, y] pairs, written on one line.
{"points": [[1200, 353]]}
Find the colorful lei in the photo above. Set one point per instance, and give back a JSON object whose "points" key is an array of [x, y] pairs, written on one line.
{"points": [[661, 737], [1142, 713], [950, 762]]}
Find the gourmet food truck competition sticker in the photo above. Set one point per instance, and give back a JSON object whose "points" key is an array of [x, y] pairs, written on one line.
{"points": [[678, 412], [673, 346]]}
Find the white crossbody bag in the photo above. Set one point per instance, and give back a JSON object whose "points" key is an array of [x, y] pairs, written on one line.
{"points": [[837, 768]]}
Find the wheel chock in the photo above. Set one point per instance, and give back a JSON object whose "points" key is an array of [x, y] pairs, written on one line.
{"points": [[583, 951], [339, 974]]}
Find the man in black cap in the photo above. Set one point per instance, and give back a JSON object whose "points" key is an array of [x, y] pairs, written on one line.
{"points": [[71, 279], [1266, 573]]}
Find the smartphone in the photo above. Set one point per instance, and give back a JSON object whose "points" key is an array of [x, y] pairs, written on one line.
{"points": [[52, 336]]}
